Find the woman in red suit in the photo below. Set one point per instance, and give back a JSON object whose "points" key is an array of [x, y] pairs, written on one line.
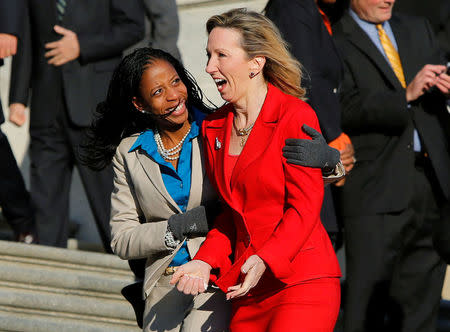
{"points": [[268, 250]]}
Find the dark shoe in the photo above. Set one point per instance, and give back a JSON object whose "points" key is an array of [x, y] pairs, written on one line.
{"points": [[28, 238]]}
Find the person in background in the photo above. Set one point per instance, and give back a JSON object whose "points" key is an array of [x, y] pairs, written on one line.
{"points": [[392, 196], [14, 198], [268, 250], [437, 12], [66, 56], [307, 30], [162, 27], [441, 233]]}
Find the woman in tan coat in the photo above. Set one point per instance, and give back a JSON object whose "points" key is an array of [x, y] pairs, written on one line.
{"points": [[149, 127]]}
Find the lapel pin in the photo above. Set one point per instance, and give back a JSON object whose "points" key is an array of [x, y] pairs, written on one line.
{"points": [[218, 145]]}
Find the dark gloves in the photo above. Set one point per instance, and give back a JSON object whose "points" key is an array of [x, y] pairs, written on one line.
{"points": [[311, 153], [192, 223]]}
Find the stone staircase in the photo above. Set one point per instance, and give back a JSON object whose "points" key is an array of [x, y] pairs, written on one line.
{"points": [[52, 289]]}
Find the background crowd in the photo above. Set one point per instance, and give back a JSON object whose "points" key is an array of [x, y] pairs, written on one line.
{"points": [[378, 85]]}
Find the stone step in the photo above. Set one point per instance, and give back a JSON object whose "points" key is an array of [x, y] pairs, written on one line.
{"points": [[39, 321], [66, 305], [182, 4], [66, 268], [63, 259], [53, 289], [15, 275]]}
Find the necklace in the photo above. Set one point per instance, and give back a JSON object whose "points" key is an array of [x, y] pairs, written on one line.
{"points": [[243, 133], [169, 153]]}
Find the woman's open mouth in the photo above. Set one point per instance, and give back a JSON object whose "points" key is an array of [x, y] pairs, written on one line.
{"points": [[177, 110], [220, 83]]}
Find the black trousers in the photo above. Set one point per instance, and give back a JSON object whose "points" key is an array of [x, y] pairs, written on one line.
{"points": [[14, 197], [441, 233], [394, 275], [54, 151], [328, 213]]}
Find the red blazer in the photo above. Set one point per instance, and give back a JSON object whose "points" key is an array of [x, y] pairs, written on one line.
{"points": [[272, 208]]}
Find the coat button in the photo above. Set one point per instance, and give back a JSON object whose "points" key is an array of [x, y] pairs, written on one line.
{"points": [[409, 146], [335, 90]]}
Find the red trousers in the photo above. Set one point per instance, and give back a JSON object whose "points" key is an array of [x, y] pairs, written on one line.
{"points": [[311, 306]]}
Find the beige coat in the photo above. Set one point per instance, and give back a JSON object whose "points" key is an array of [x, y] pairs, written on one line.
{"points": [[141, 206]]}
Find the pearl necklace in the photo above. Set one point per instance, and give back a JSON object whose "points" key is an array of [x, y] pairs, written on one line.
{"points": [[168, 153]]}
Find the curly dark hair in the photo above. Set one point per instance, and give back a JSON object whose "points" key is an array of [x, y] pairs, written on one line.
{"points": [[117, 118]]}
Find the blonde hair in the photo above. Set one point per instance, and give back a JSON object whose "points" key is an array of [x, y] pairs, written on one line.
{"points": [[260, 37]]}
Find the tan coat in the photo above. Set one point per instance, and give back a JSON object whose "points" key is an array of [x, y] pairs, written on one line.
{"points": [[141, 206]]}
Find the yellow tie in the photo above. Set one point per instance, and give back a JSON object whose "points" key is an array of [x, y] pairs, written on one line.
{"points": [[392, 55]]}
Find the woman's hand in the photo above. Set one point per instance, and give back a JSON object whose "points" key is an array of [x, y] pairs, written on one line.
{"points": [[192, 277], [348, 160], [311, 153], [254, 268]]}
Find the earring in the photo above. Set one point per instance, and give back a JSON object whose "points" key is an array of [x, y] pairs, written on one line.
{"points": [[252, 74]]}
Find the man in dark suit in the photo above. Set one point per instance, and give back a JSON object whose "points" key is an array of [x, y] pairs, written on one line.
{"points": [[393, 194], [438, 14], [67, 55], [14, 198], [303, 27]]}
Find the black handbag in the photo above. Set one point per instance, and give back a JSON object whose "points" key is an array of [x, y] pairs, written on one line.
{"points": [[133, 294]]}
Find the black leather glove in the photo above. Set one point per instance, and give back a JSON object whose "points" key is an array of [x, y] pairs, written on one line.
{"points": [[311, 153], [192, 223]]}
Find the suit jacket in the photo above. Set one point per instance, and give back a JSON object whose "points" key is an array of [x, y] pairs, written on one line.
{"points": [[104, 29], [141, 206], [376, 116], [10, 22], [164, 25], [161, 27], [301, 25], [272, 207], [438, 14]]}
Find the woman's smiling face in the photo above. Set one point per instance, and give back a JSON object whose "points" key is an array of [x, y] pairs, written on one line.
{"points": [[228, 64], [163, 92]]}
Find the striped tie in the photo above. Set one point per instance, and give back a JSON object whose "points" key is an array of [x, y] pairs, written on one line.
{"points": [[60, 9], [392, 55]]}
